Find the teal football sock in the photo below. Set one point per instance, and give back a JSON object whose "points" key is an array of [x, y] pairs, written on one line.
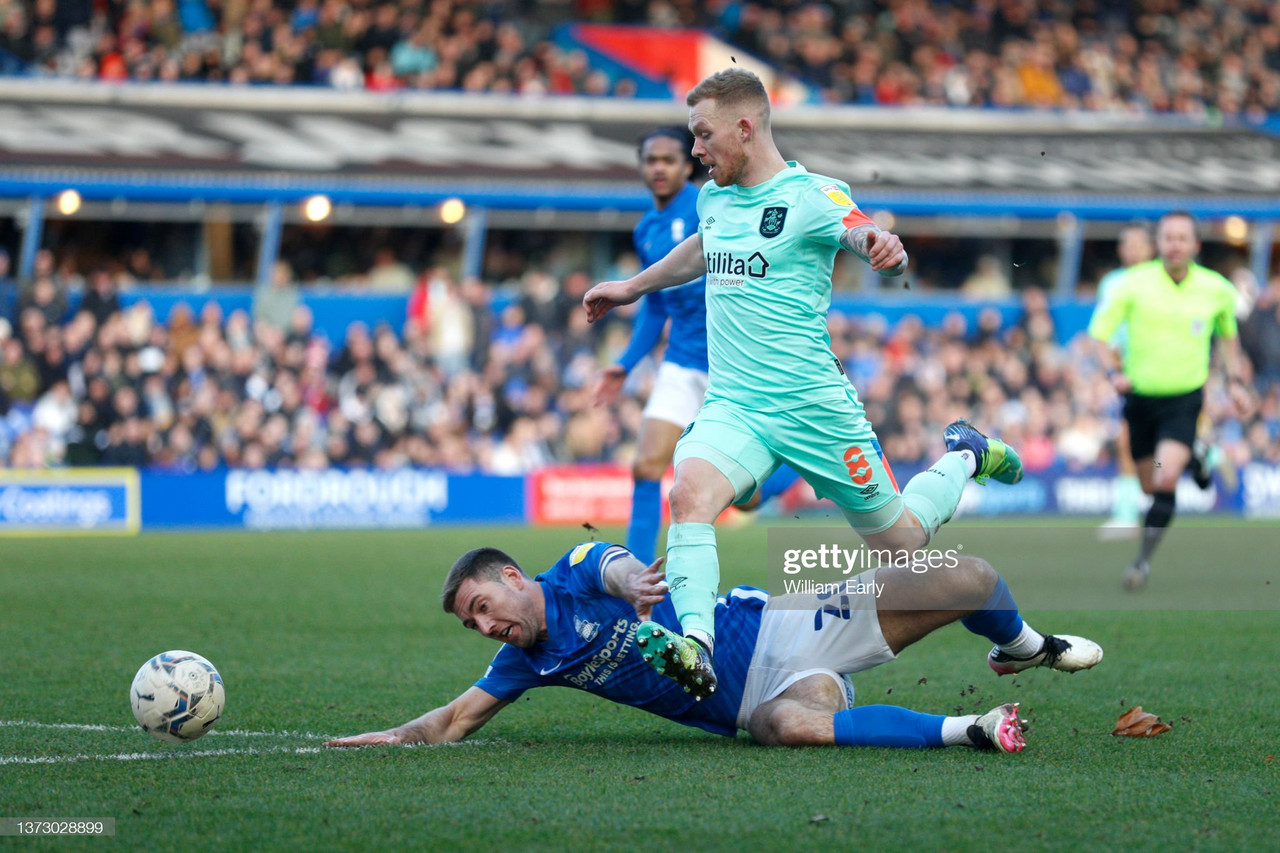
{"points": [[1128, 494], [932, 495], [693, 575]]}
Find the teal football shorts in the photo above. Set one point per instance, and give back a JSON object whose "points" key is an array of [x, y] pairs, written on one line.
{"points": [[831, 444]]}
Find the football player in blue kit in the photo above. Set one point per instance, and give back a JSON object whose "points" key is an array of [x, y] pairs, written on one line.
{"points": [[667, 167], [784, 661]]}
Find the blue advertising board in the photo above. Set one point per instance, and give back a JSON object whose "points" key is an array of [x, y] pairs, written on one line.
{"points": [[333, 499], [69, 500], [123, 501], [1090, 491]]}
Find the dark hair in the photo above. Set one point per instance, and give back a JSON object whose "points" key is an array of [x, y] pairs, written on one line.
{"points": [[479, 563], [682, 135]]}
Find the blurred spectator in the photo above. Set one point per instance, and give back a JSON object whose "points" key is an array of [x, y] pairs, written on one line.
{"points": [[452, 326], [45, 296], [471, 387], [19, 377], [55, 412], [8, 289], [389, 273], [1260, 334], [274, 302], [100, 298], [987, 281], [1161, 57]]}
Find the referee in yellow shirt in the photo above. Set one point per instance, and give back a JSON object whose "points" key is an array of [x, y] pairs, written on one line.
{"points": [[1173, 308]]}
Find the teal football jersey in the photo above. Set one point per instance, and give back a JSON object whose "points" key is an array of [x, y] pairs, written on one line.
{"points": [[770, 250]]}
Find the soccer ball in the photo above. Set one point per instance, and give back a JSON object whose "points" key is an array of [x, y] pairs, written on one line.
{"points": [[177, 696]]}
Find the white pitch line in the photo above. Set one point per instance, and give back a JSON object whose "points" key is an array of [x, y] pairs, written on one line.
{"points": [[204, 753], [181, 753], [91, 727], [149, 756]]}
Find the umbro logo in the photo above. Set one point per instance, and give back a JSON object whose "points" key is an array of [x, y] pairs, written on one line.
{"points": [[710, 221], [870, 491]]}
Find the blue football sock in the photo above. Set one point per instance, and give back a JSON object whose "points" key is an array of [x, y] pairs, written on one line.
{"points": [[998, 618], [646, 518], [777, 483], [888, 725]]}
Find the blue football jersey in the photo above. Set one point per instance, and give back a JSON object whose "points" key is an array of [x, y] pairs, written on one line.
{"points": [[591, 645], [655, 236]]}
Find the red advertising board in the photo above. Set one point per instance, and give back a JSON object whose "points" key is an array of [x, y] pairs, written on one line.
{"points": [[582, 494]]}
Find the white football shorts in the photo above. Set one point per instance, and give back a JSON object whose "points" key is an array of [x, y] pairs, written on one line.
{"points": [[803, 635], [677, 394]]}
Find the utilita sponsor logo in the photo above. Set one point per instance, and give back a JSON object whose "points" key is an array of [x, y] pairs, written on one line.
{"points": [[727, 263]]}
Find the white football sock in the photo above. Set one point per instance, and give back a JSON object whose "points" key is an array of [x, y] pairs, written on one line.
{"points": [[1027, 644], [955, 730]]}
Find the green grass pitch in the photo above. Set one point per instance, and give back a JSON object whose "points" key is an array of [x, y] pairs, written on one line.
{"points": [[338, 633]]}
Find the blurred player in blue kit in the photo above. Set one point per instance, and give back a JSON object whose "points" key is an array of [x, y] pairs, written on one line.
{"points": [[667, 168], [784, 661]]}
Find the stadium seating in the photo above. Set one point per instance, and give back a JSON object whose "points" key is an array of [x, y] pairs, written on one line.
{"points": [[1220, 57]]}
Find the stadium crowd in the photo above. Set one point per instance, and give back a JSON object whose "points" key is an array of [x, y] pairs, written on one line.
{"points": [[467, 386], [1141, 55]]}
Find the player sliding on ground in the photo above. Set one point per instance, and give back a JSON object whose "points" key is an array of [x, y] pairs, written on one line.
{"points": [[785, 662], [767, 236]]}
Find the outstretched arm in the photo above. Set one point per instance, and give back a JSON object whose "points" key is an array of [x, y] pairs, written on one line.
{"points": [[461, 717], [650, 322], [682, 264], [882, 249]]}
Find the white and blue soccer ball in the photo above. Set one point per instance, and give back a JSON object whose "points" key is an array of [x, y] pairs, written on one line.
{"points": [[177, 696]]}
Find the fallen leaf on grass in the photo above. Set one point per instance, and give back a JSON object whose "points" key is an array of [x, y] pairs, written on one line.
{"points": [[1136, 722]]}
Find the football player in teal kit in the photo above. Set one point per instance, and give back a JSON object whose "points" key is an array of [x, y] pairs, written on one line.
{"points": [[667, 166], [767, 237]]}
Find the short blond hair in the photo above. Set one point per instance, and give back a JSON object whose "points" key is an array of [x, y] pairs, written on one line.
{"points": [[732, 88]]}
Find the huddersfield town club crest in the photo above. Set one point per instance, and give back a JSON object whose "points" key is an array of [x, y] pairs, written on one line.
{"points": [[772, 220]]}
